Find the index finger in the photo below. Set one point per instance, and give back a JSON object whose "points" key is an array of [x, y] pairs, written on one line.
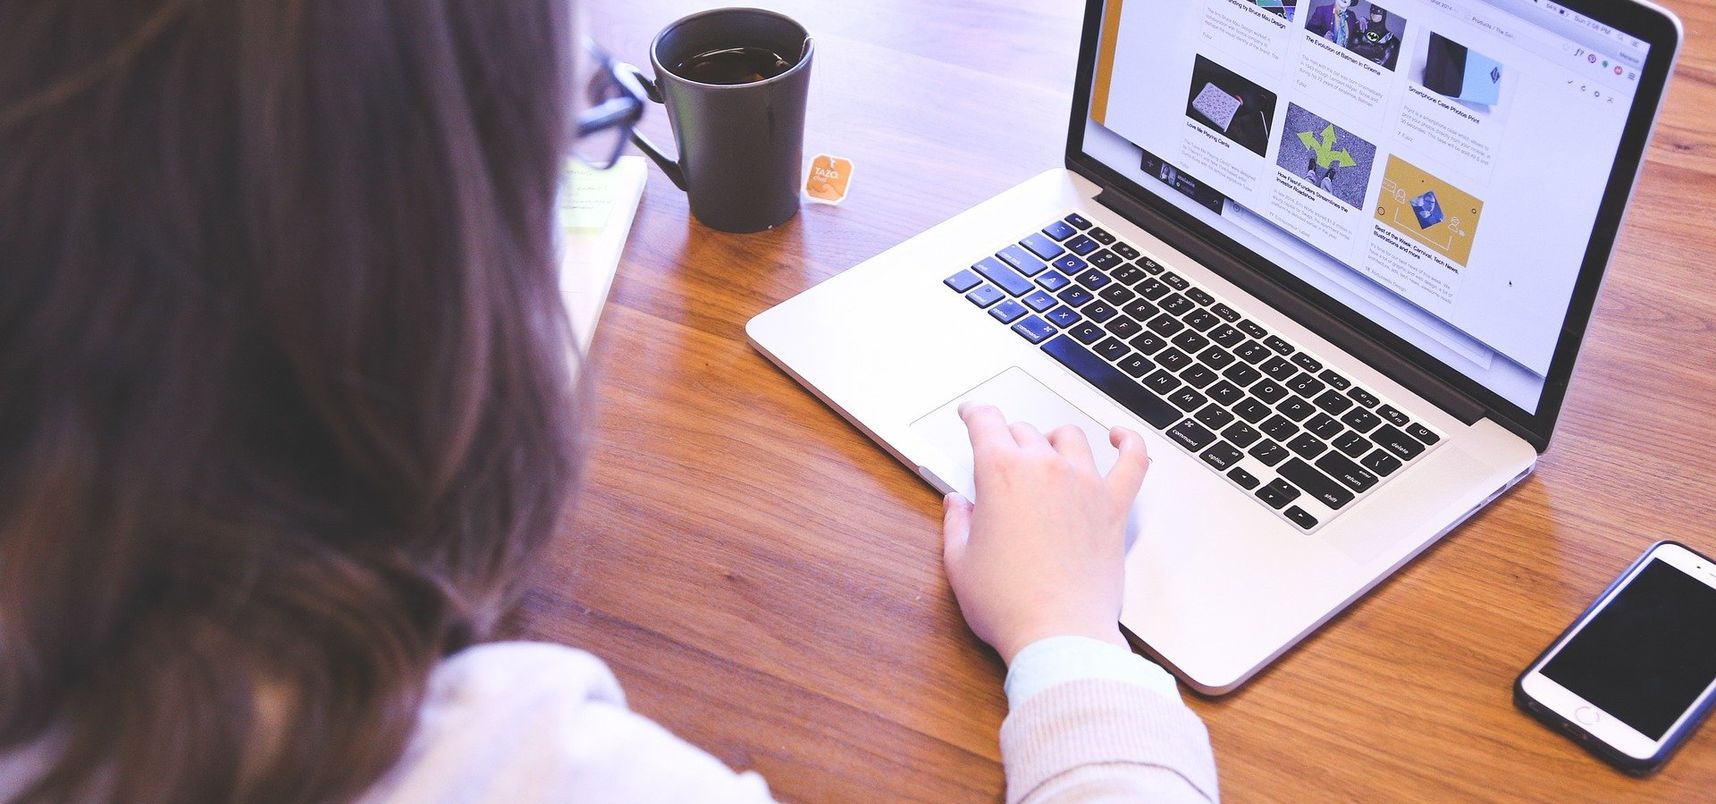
{"points": [[988, 430]]}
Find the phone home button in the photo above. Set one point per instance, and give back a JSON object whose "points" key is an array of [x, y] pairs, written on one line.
{"points": [[1587, 715]]}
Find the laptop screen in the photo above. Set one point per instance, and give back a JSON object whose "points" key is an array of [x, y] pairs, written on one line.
{"points": [[1435, 166]]}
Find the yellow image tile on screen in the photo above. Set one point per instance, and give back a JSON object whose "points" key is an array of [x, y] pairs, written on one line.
{"points": [[1428, 210]]}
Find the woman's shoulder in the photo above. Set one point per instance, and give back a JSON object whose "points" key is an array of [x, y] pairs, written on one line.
{"points": [[520, 672]]}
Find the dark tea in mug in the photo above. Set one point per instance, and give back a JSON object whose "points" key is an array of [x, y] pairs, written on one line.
{"points": [[732, 65]]}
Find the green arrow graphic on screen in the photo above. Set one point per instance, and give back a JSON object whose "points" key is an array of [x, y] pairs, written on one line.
{"points": [[1325, 150]]}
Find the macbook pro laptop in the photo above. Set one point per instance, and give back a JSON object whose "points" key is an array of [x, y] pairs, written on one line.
{"points": [[1342, 328]]}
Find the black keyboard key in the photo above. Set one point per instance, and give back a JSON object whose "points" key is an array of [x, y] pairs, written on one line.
{"points": [[1350, 474], [1187, 399], [1099, 311], [1241, 434], [1299, 517], [1394, 417], [1363, 397], [1116, 294], [1307, 446], [1214, 417], [1226, 335], [1150, 265], [1315, 483], [1295, 408], [1093, 279], [1191, 435], [1149, 343], [1279, 344], [1225, 392], [1135, 365], [1251, 410], [1381, 463], [1334, 380], [1102, 236], [1279, 428], [1123, 327], [1007, 311], [1023, 261], [1307, 363], [1111, 381], [1105, 259], [1034, 329], [1221, 456], [1064, 316], [1268, 391], [1060, 230], [1390, 438], [1200, 296], [1241, 374], [1279, 368], [1162, 381], [985, 295], [1215, 357], [1268, 452], [1225, 313], [1129, 274], [1039, 300], [1277, 494], [1053, 280], [1422, 433], [1008, 279], [1078, 221], [1070, 264], [1176, 304], [1086, 333], [1251, 328], [1352, 444], [1140, 309], [1173, 359], [1175, 281], [1111, 349], [1201, 320], [1198, 376], [1042, 246], [963, 281], [1333, 401], [1324, 426], [1190, 341], [1361, 420], [1165, 324], [1082, 245], [1252, 352], [1152, 289], [1306, 385], [1075, 296], [1126, 251], [1246, 480]]}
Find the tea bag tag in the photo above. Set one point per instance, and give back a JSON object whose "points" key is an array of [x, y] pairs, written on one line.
{"points": [[828, 180]]}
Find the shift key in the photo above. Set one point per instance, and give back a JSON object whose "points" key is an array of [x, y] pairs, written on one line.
{"points": [[1315, 483]]}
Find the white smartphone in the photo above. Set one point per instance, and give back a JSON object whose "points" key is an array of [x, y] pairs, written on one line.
{"points": [[1636, 673]]}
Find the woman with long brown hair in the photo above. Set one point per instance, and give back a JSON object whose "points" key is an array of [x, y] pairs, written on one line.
{"points": [[285, 409]]}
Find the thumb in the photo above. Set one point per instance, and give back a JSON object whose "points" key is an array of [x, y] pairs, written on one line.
{"points": [[955, 524]]}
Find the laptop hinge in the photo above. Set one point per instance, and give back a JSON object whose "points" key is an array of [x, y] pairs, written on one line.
{"points": [[1298, 308]]}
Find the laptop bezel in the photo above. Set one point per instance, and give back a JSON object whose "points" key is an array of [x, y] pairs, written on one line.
{"points": [[1654, 25]]}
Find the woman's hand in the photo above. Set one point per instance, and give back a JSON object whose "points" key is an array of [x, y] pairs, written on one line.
{"points": [[1041, 553]]}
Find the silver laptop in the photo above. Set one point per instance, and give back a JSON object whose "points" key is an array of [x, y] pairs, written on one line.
{"points": [[1338, 287]]}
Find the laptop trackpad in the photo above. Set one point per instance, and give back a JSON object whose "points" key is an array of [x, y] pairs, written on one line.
{"points": [[1021, 398]]}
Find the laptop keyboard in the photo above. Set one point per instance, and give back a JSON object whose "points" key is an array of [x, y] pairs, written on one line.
{"points": [[1297, 437]]}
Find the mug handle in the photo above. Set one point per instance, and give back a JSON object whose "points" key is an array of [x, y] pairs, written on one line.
{"points": [[668, 165]]}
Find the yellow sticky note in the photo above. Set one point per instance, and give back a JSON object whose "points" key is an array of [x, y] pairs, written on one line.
{"points": [[830, 178]]}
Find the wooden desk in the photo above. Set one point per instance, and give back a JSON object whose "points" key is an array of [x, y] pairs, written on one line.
{"points": [[767, 583]]}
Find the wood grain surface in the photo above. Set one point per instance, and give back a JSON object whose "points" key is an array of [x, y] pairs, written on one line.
{"points": [[767, 583]]}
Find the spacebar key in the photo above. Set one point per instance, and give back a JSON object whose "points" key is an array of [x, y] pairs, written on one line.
{"points": [[1111, 381]]}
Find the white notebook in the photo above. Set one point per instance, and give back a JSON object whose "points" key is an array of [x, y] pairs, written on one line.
{"points": [[595, 215]]}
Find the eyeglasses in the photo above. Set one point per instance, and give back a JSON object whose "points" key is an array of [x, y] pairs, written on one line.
{"points": [[607, 109]]}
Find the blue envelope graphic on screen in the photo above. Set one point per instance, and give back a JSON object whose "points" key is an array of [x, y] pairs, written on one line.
{"points": [[1428, 210], [1454, 70], [1483, 80]]}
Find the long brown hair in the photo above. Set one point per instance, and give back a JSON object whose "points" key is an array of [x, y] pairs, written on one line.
{"points": [[283, 376]]}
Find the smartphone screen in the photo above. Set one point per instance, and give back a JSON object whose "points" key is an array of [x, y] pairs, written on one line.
{"points": [[1647, 655]]}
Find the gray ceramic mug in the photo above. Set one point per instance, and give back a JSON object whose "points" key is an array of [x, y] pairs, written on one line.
{"points": [[741, 146]]}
